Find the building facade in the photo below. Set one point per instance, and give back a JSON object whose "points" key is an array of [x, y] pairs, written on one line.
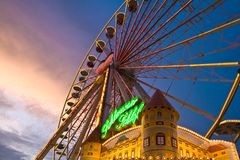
{"points": [[156, 136]]}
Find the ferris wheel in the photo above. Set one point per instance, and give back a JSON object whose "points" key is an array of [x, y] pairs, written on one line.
{"points": [[148, 45]]}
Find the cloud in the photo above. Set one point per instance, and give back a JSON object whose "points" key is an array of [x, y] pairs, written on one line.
{"points": [[7, 153], [4, 102], [7, 149]]}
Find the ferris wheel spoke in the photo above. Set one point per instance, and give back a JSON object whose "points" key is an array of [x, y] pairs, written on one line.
{"points": [[159, 28], [187, 40], [147, 28], [73, 134], [121, 33], [125, 34], [132, 26], [125, 84], [189, 20], [91, 124], [189, 106], [142, 32], [187, 79], [75, 151], [215, 51], [134, 33], [84, 110], [133, 38], [224, 64], [67, 122]]}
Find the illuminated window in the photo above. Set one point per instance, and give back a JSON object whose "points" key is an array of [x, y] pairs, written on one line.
{"points": [[187, 154], [90, 153], [146, 142], [126, 155], [159, 123], [174, 142], [159, 114], [133, 153], [181, 152], [160, 139], [194, 155], [120, 156]]}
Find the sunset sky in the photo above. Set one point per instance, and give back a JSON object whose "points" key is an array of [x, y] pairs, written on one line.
{"points": [[41, 46]]}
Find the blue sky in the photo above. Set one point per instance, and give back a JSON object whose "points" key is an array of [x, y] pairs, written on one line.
{"points": [[41, 46]]}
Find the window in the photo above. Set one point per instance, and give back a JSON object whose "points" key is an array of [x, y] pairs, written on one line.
{"points": [[133, 153], [187, 154], [160, 139], [120, 156], [146, 142], [181, 152], [172, 117], [159, 114], [174, 142], [159, 123], [126, 155]]}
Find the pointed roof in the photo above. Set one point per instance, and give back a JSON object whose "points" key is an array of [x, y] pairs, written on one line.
{"points": [[95, 136], [158, 99]]}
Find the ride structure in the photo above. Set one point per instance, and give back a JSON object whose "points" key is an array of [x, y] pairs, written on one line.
{"points": [[151, 47]]}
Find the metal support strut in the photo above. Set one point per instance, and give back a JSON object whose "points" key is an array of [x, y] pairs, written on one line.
{"points": [[225, 106]]}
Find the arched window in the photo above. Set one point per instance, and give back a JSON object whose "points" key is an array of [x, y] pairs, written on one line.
{"points": [[160, 139], [159, 114]]}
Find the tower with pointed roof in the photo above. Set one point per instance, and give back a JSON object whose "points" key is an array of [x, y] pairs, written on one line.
{"points": [[92, 146], [159, 128]]}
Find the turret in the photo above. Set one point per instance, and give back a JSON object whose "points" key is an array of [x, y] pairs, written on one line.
{"points": [[159, 128], [91, 148]]}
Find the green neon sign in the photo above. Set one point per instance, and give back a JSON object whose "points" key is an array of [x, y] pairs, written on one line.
{"points": [[125, 115]]}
